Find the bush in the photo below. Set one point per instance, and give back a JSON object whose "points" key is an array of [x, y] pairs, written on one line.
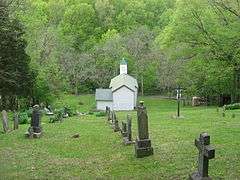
{"points": [[23, 118], [70, 111], [100, 114], [29, 112], [232, 106], [57, 117]]}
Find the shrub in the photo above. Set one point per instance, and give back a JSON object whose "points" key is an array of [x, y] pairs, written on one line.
{"points": [[29, 112], [23, 118], [70, 111], [100, 114], [232, 106], [57, 117]]}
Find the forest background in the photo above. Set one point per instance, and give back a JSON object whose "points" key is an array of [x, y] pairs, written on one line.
{"points": [[52, 46]]}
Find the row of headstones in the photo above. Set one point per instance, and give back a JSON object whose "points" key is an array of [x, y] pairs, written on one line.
{"points": [[143, 143], [6, 127], [34, 131]]}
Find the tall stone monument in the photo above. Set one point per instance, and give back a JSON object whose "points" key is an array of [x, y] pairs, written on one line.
{"points": [[143, 143], [35, 130]]}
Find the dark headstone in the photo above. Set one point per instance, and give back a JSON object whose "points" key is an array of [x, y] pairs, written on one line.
{"points": [[143, 143], [124, 129], [35, 129], [206, 152], [5, 121], [116, 127], [15, 120], [108, 113], [128, 139]]}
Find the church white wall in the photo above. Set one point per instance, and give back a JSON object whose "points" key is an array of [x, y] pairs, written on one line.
{"points": [[123, 99], [101, 105]]}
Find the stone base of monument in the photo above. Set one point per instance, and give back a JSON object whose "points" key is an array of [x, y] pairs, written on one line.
{"points": [[127, 142], [196, 176], [143, 148], [33, 134]]}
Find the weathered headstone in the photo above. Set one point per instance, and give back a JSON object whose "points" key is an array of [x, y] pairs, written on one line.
{"points": [[5, 121], [113, 115], [143, 143], [15, 120], [35, 130], [116, 127], [206, 152], [108, 113], [128, 139], [124, 129]]}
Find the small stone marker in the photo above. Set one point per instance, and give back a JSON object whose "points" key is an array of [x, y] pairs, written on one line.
{"points": [[35, 130], [16, 121], [143, 143], [128, 139], [116, 127], [206, 152], [5, 121], [124, 129]]}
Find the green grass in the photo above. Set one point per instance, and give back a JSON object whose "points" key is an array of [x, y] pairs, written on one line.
{"points": [[99, 152]]}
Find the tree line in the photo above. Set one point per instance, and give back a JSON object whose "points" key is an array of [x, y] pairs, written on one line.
{"points": [[76, 46]]}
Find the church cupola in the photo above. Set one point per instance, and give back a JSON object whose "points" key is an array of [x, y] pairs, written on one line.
{"points": [[123, 66]]}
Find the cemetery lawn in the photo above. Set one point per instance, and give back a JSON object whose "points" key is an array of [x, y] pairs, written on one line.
{"points": [[100, 153]]}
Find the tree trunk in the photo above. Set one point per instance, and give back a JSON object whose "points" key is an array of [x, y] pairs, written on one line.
{"points": [[142, 85]]}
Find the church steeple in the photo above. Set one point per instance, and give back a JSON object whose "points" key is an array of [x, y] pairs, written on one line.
{"points": [[123, 66]]}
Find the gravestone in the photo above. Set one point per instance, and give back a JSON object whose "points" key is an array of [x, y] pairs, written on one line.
{"points": [[143, 143], [48, 111], [108, 113], [128, 139], [124, 129], [116, 127], [15, 120], [206, 152], [5, 121], [35, 130]]}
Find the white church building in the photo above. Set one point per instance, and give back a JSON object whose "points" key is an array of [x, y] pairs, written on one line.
{"points": [[122, 92]]}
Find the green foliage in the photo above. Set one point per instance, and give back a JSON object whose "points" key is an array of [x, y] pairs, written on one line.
{"points": [[16, 77], [232, 106], [100, 114], [58, 116], [69, 110], [23, 118]]}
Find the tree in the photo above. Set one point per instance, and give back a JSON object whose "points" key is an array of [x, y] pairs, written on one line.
{"points": [[206, 31], [16, 77]]}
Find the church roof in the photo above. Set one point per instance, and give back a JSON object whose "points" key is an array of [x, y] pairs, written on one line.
{"points": [[123, 80], [103, 95]]}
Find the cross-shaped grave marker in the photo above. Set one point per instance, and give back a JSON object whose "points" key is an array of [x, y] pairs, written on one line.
{"points": [[206, 152]]}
